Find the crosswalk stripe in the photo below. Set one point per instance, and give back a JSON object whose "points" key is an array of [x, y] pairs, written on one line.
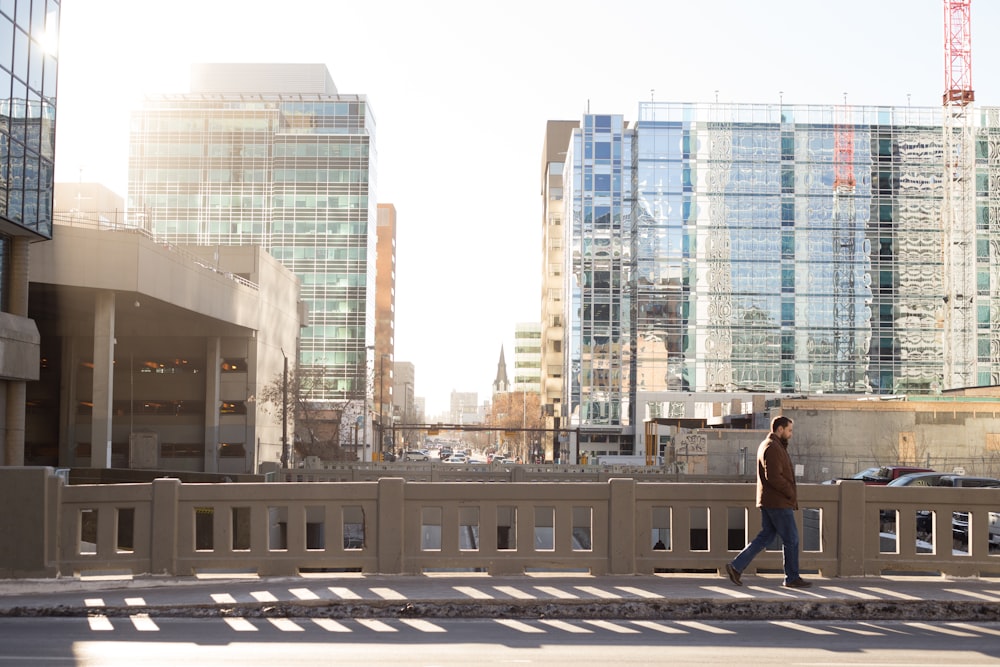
{"points": [[388, 594], [376, 626], [882, 629], [567, 627], [849, 592], [599, 592], [286, 624], [240, 624], [519, 626], [422, 625], [973, 594], [704, 627], [613, 627], [263, 596], [143, 623], [976, 628], [344, 593], [808, 629], [892, 594], [100, 623], [93, 602], [660, 627], [729, 591], [473, 592], [858, 631], [639, 592], [331, 625], [939, 629], [514, 592], [223, 598], [557, 592], [303, 593], [135, 602]]}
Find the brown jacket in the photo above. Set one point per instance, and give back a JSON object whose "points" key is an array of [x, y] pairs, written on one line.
{"points": [[775, 475]]}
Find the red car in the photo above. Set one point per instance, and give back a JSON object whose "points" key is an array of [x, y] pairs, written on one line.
{"points": [[886, 474]]}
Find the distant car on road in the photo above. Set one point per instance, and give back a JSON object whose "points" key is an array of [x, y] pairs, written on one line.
{"points": [[416, 455], [457, 458]]}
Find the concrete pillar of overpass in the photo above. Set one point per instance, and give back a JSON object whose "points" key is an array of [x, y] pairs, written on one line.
{"points": [[621, 526], [213, 398], [104, 384]]}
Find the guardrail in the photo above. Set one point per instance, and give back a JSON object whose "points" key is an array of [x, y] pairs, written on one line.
{"points": [[391, 526]]}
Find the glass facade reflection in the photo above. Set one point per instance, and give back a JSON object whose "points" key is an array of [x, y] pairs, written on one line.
{"points": [[292, 173], [750, 258]]}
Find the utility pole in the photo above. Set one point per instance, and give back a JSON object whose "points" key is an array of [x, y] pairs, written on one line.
{"points": [[284, 412]]}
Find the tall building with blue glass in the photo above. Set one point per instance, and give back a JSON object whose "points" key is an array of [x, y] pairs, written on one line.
{"points": [[717, 252], [272, 155], [28, 75]]}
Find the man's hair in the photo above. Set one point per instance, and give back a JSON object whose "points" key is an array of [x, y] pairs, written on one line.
{"points": [[779, 422]]}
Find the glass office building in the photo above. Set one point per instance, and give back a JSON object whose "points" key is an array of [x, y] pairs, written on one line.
{"points": [[248, 159], [771, 249]]}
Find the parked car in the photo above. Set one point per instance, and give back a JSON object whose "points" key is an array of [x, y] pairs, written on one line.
{"points": [[457, 458], [886, 474], [416, 455], [919, 479]]}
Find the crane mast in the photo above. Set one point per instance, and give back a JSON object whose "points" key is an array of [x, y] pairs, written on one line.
{"points": [[844, 223], [958, 206]]}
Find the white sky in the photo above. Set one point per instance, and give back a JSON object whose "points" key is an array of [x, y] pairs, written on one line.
{"points": [[461, 92]]}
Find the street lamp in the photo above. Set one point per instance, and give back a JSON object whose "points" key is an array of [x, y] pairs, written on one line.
{"points": [[381, 400]]}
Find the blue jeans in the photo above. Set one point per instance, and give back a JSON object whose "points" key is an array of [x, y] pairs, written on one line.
{"points": [[773, 522]]}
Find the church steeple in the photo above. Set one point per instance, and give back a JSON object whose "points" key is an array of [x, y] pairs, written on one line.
{"points": [[501, 385]]}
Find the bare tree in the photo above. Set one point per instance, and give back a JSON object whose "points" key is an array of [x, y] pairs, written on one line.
{"points": [[515, 412]]}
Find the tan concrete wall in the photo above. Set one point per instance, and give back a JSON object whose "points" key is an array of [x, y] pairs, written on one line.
{"points": [[396, 527]]}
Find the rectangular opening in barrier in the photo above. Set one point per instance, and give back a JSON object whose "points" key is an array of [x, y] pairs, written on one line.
{"points": [[430, 529], [887, 521], [125, 530], [925, 521], [699, 528], [962, 532], [545, 524], [583, 519], [204, 529], [468, 529], [277, 533], [812, 529], [353, 519], [241, 528], [736, 528], [660, 538], [506, 528], [315, 528], [87, 532]]}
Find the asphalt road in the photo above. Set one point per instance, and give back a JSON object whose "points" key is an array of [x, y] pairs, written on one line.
{"points": [[143, 640]]}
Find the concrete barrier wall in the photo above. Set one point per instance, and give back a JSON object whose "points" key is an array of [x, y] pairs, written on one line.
{"points": [[393, 526]]}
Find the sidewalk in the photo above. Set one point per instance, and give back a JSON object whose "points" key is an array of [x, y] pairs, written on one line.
{"points": [[463, 594]]}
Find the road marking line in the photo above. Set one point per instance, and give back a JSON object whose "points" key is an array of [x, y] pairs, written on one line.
{"points": [[519, 626], [422, 625], [473, 592], [344, 593], [240, 624], [566, 627], [976, 628], [660, 627], [331, 625], [892, 594], [771, 591], [263, 596], [286, 624], [143, 623], [728, 591], [973, 594], [223, 598], [858, 631], [613, 627], [942, 630], [94, 602], [704, 627], [514, 592], [100, 623], [639, 592], [847, 591], [601, 593], [135, 602], [883, 629], [376, 626], [790, 625], [556, 592], [303, 593], [388, 594]]}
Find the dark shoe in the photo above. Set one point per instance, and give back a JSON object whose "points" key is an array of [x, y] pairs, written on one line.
{"points": [[798, 583], [734, 574]]}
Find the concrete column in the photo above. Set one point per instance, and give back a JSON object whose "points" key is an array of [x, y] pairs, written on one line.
{"points": [[166, 493], [213, 382], [621, 526], [391, 497], [104, 385], [67, 401], [851, 558], [17, 294]]}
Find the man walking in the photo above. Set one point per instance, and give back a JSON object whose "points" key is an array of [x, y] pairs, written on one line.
{"points": [[777, 499]]}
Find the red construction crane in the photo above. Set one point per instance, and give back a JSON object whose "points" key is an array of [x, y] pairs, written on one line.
{"points": [[958, 52]]}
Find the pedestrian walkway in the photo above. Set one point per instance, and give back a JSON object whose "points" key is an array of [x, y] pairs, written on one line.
{"points": [[464, 594]]}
